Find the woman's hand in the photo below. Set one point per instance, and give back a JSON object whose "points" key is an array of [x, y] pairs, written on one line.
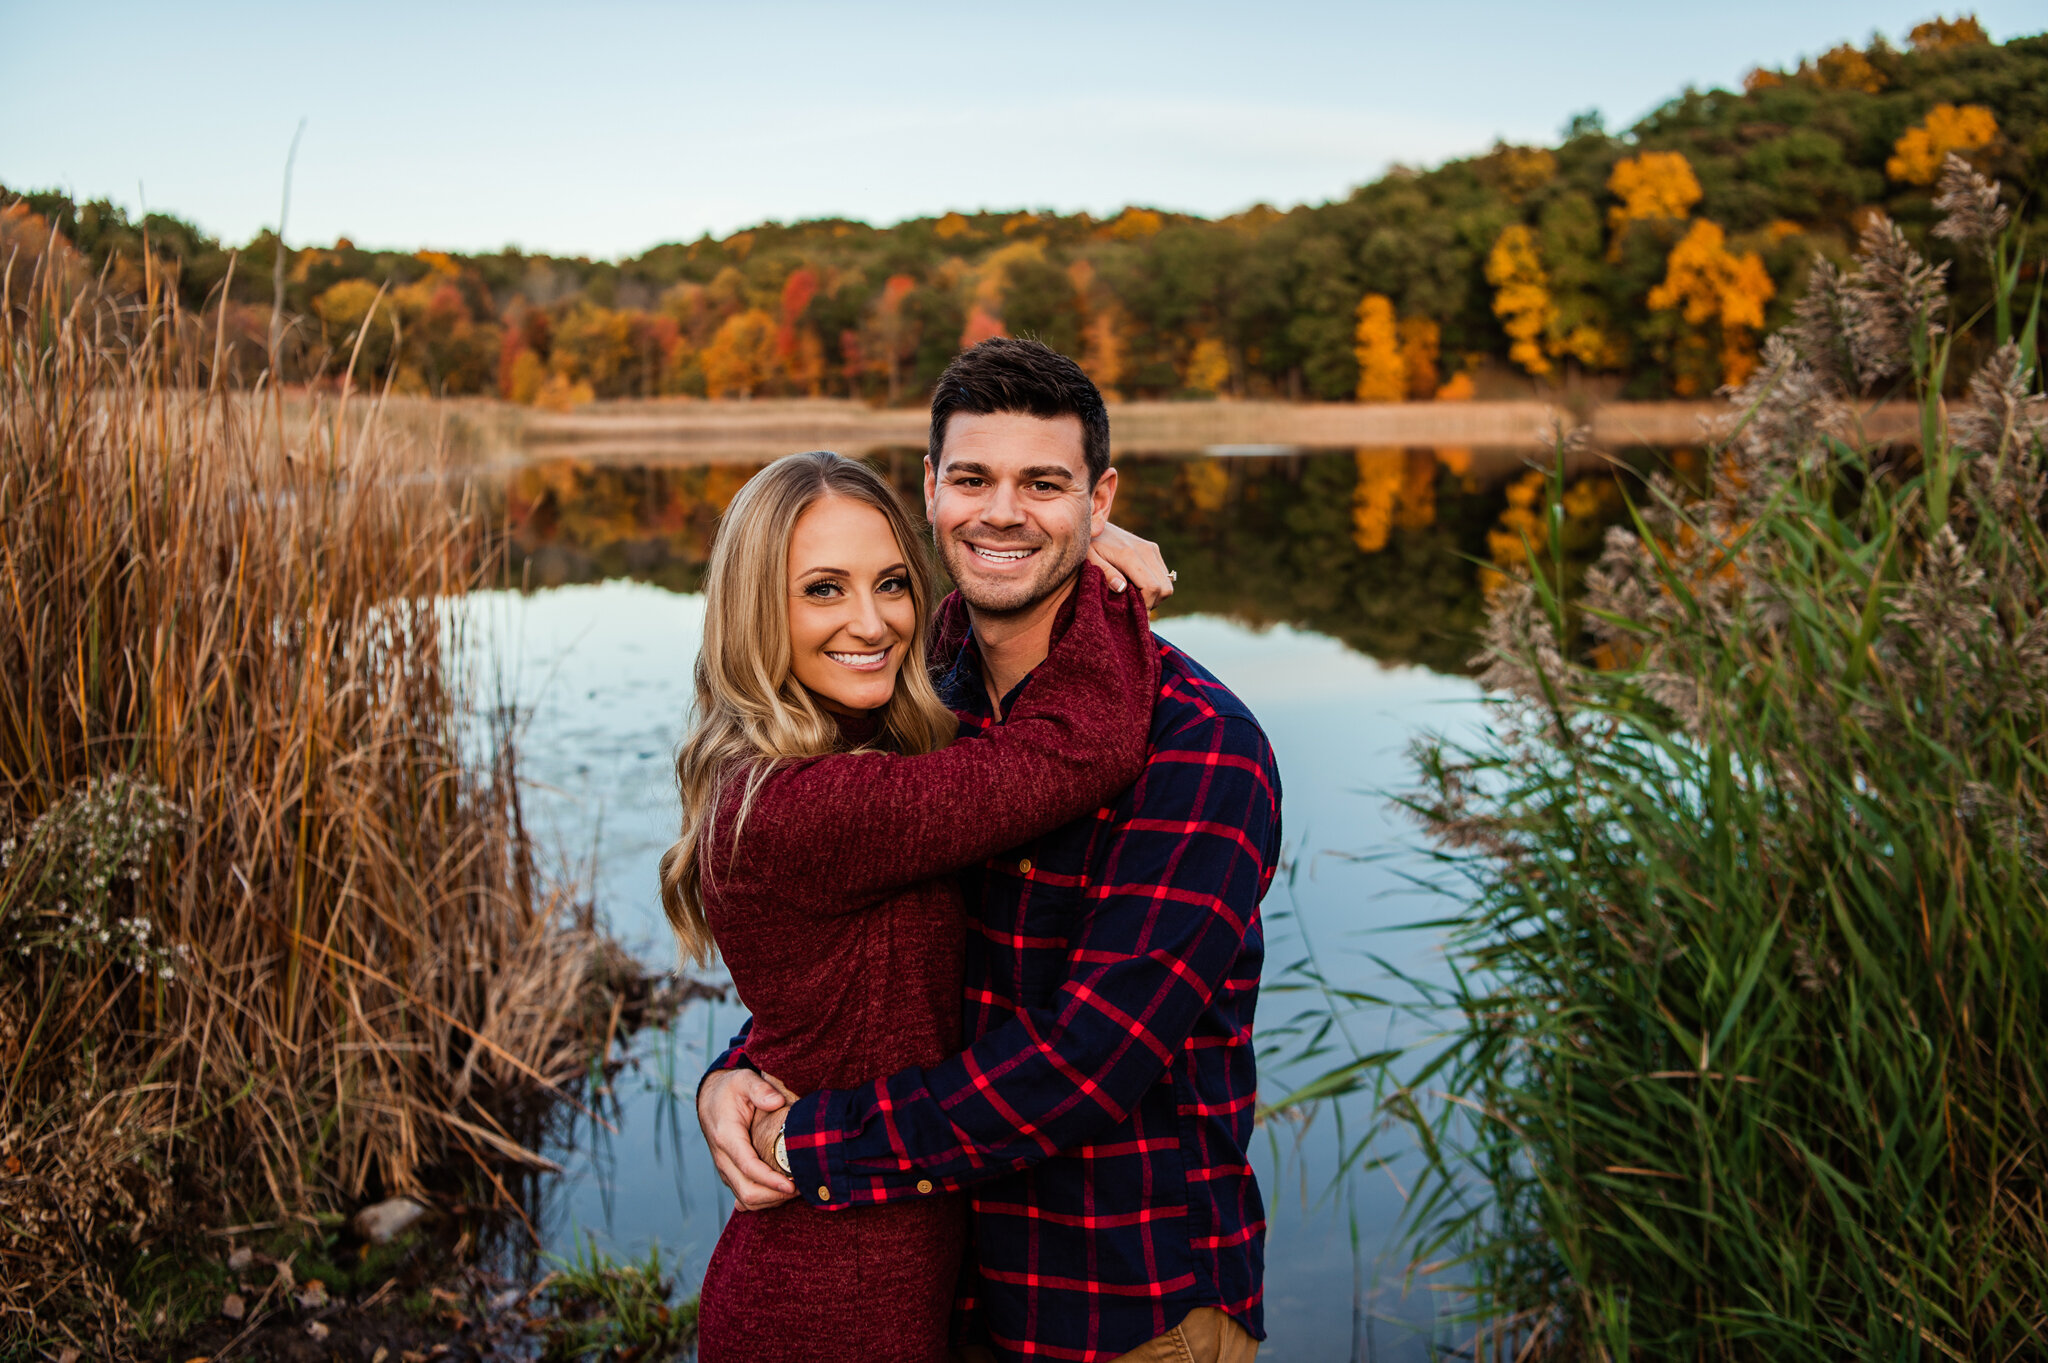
{"points": [[1126, 558]]}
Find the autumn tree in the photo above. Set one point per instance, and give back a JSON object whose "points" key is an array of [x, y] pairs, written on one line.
{"points": [[1940, 35], [1917, 155], [1521, 296], [741, 356], [1382, 369], [1709, 284], [1208, 366], [1421, 339], [1651, 185]]}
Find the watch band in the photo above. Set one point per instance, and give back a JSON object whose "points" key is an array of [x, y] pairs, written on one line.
{"points": [[782, 1149]]}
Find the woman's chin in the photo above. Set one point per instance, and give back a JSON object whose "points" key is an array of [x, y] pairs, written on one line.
{"points": [[858, 699]]}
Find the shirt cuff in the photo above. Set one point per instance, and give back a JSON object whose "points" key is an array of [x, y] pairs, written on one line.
{"points": [[734, 1059], [812, 1138]]}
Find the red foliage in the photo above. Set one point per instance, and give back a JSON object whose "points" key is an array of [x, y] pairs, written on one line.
{"points": [[797, 292]]}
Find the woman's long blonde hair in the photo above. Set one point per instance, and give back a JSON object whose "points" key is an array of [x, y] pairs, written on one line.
{"points": [[750, 711]]}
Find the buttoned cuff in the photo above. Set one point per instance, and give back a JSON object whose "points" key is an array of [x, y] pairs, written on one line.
{"points": [[812, 1137]]}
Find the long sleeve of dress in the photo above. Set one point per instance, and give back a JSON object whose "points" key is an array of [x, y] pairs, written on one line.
{"points": [[857, 824]]}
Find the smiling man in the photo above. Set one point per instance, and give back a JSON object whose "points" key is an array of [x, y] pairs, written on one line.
{"points": [[1101, 1111]]}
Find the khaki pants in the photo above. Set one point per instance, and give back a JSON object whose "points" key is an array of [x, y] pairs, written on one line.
{"points": [[1206, 1336]]}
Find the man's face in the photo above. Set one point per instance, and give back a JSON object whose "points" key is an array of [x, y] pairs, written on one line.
{"points": [[1011, 508]]}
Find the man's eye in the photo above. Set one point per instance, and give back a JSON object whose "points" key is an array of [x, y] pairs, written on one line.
{"points": [[1043, 486], [967, 482]]}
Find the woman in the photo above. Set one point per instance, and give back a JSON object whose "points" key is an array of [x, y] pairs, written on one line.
{"points": [[825, 806]]}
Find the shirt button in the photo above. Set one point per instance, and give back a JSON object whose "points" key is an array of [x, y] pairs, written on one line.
{"points": [[1024, 867], [924, 1185], [824, 1193]]}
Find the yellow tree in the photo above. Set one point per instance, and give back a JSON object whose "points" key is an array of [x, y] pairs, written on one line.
{"points": [[1382, 373], [741, 355], [1708, 283], [1208, 368], [1521, 296], [1421, 340], [1917, 156], [1653, 184], [1939, 35]]}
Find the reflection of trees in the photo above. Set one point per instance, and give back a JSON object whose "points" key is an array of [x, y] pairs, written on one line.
{"points": [[1384, 549], [1281, 547]]}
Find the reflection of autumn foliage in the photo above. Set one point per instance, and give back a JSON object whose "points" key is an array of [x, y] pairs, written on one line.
{"points": [[1521, 296], [1917, 156], [1374, 546], [1382, 370], [1396, 491]]}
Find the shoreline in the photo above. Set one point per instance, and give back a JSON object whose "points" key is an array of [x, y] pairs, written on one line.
{"points": [[691, 431]]}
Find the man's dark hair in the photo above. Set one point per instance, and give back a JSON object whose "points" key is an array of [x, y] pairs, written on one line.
{"points": [[1006, 374]]}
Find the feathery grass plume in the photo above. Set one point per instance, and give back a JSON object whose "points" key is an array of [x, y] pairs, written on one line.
{"points": [[1971, 214], [1744, 1055], [1892, 305], [271, 936]]}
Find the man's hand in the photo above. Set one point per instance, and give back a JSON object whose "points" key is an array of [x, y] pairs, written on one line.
{"points": [[1125, 558], [728, 1105]]}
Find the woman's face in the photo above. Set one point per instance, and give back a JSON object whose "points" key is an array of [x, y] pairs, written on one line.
{"points": [[850, 611]]}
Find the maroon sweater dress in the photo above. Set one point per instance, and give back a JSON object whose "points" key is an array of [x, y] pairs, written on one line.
{"points": [[838, 917]]}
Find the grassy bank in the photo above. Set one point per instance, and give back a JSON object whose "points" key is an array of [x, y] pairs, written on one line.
{"points": [[1748, 1057], [273, 944]]}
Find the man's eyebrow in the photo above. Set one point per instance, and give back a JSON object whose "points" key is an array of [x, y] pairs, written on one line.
{"points": [[967, 466], [1044, 471]]}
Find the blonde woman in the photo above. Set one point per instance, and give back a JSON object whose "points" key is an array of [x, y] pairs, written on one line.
{"points": [[825, 807]]}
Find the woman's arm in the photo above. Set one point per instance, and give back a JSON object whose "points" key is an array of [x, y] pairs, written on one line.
{"points": [[852, 824]]}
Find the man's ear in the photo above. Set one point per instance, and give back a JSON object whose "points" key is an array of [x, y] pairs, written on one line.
{"points": [[1100, 498], [931, 487]]}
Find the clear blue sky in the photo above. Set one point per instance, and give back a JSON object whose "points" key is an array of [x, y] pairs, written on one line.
{"points": [[602, 128]]}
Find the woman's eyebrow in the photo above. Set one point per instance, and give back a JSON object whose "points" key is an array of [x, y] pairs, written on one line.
{"points": [[823, 572]]}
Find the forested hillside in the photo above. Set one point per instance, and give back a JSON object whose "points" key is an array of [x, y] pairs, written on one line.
{"points": [[1644, 263]]}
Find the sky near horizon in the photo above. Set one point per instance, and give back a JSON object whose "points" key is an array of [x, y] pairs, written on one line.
{"points": [[604, 128]]}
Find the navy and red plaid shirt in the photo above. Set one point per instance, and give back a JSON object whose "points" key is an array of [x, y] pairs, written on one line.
{"points": [[1101, 1113]]}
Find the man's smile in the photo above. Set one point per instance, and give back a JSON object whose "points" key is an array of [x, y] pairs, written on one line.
{"points": [[1002, 557]]}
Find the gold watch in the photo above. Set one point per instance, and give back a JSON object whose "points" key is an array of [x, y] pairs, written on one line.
{"points": [[781, 1148]]}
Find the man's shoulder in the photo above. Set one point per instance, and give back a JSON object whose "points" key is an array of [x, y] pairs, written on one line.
{"points": [[1194, 706]]}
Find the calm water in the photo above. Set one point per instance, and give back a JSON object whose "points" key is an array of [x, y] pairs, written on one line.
{"points": [[1335, 592]]}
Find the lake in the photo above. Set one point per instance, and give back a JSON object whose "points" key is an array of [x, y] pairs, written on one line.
{"points": [[1335, 591]]}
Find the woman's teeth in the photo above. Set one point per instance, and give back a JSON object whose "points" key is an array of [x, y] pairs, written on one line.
{"points": [[860, 660]]}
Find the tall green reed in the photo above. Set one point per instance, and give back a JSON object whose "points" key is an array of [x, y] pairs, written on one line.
{"points": [[1746, 1049]]}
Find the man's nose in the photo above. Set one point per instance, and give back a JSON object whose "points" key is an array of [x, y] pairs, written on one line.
{"points": [[1003, 508]]}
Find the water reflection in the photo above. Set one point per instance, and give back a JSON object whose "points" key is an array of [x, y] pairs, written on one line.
{"points": [[1384, 549]]}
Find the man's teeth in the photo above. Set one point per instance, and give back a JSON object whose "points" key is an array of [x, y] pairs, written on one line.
{"points": [[857, 659], [1002, 555]]}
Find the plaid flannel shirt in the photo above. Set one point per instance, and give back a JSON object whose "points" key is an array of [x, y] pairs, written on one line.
{"points": [[1101, 1113]]}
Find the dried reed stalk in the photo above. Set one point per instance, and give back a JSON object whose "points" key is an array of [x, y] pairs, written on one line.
{"points": [[346, 966]]}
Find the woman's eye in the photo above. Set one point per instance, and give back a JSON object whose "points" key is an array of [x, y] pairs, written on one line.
{"points": [[822, 590], [893, 585]]}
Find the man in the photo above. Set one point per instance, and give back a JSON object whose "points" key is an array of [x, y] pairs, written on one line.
{"points": [[1100, 1115]]}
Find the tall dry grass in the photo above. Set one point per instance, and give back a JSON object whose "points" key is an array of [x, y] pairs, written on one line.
{"points": [[269, 941]]}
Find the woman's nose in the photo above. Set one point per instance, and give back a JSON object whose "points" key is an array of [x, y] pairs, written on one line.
{"points": [[867, 624]]}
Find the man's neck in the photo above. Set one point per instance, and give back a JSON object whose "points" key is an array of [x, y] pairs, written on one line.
{"points": [[1013, 642]]}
